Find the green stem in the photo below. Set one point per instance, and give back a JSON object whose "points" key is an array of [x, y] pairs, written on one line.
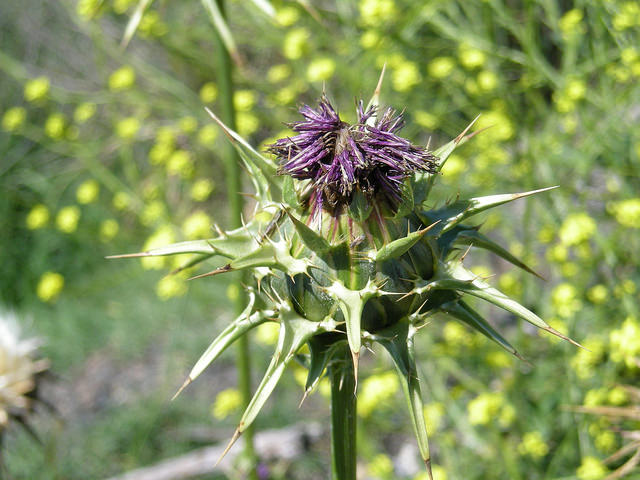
{"points": [[233, 180], [343, 416]]}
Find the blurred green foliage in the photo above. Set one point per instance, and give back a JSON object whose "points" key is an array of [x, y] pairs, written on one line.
{"points": [[108, 149]]}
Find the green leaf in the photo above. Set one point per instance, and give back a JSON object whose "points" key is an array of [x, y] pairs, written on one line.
{"points": [[240, 326], [400, 246], [467, 282], [271, 254], [398, 341], [311, 239], [466, 314], [134, 22], [477, 239], [289, 195], [294, 332], [322, 348], [359, 208], [453, 214]]}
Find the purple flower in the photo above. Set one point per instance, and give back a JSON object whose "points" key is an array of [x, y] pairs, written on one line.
{"points": [[341, 159]]}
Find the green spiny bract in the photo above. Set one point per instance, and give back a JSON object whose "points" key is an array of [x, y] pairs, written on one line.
{"points": [[366, 265]]}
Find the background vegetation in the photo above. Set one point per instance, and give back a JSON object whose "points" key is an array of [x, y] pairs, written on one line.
{"points": [[107, 149]]}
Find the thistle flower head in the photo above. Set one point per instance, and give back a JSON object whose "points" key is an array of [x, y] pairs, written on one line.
{"points": [[341, 159], [18, 370]]}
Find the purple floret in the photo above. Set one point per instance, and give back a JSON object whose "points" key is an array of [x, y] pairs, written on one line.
{"points": [[341, 159]]}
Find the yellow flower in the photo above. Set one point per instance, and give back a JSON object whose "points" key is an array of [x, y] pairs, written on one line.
{"points": [[564, 299], [585, 360], [295, 43], [287, 16], [37, 89], [201, 189], [571, 22], [625, 342], [533, 445], [207, 135], [87, 192], [501, 126], [55, 125], [377, 12], [164, 235], [370, 39], [197, 225], [441, 67], [170, 286], [248, 123], [426, 120], [487, 80], [122, 79], [121, 200], [453, 167], [267, 334], [321, 69], [38, 217], [152, 25], [152, 213], [498, 359], [405, 76], [605, 441], [121, 6], [84, 112], [577, 228], [456, 335], [88, 9], [591, 469], [628, 16], [188, 124], [209, 92], [108, 229], [557, 253], [278, 73], [484, 408], [49, 286], [380, 466], [598, 294], [180, 163], [67, 219], [227, 402], [244, 100], [13, 119], [160, 153], [433, 416], [127, 128], [618, 396], [576, 89], [627, 212], [471, 57], [375, 391]]}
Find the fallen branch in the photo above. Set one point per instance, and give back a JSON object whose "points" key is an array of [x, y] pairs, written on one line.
{"points": [[285, 444]]}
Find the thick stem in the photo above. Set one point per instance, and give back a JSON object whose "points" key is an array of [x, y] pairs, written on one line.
{"points": [[343, 416], [233, 180]]}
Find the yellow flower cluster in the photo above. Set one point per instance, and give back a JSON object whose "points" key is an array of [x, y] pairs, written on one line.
{"points": [[67, 219], [487, 407], [321, 69], [13, 119], [295, 43], [576, 229], [122, 79], [37, 217], [37, 89], [565, 301], [227, 402], [380, 467], [533, 445], [626, 212], [197, 225], [49, 286], [585, 360], [625, 343], [55, 125], [591, 469], [627, 17], [375, 391], [87, 192], [374, 13], [201, 189]]}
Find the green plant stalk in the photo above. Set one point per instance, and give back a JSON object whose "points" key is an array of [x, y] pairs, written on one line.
{"points": [[343, 416], [233, 180]]}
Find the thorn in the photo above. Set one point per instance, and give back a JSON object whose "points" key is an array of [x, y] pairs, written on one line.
{"points": [[304, 397], [466, 252], [129, 255], [217, 271], [564, 337], [378, 89], [218, 230], [233, 440], [184, 385], [225, 129], [459, 138]]}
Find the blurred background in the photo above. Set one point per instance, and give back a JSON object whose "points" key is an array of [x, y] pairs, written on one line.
{"points": [[106, 148]]}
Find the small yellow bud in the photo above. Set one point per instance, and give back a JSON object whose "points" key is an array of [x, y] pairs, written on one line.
{"points": [[209, 92], [38, 217], [13, 119], [49, 286], [55, 125], [37, 89], [201, 189], [122, 79], [67, 219], [88, 192], [108, 229]]}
